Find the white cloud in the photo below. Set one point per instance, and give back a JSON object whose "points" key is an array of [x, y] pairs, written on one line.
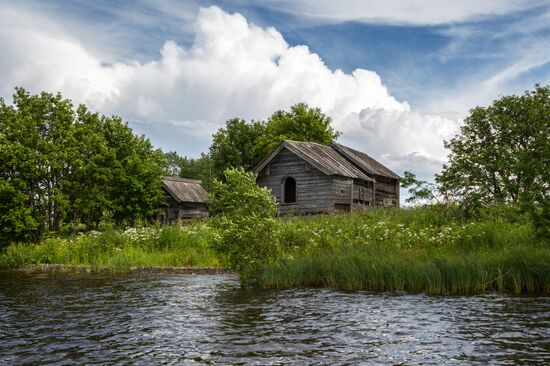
{"points": [[420, 12], [233, 69]]}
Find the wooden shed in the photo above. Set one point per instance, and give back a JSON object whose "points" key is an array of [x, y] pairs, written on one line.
{"points": [[306, 177], [185, 199]]}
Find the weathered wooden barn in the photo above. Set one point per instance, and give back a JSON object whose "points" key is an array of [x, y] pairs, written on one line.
{"points": [[185, 199], [306, 177]]}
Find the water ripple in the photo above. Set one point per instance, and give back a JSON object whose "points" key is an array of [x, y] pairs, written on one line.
{"points": [[143, 320]]}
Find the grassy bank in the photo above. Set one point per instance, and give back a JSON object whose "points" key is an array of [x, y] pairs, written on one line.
{"points": [[119, 251], [420, 250]]}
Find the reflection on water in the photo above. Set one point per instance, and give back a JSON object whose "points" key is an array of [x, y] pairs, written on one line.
{"points": [[50, 319]]}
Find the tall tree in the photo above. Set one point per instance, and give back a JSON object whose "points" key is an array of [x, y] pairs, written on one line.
{"points": [[301, 123], [237, 145], [502, 153], [61, 165]]}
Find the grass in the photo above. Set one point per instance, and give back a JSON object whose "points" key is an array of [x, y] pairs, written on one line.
{"points": [[169, 246], [421, 250]]}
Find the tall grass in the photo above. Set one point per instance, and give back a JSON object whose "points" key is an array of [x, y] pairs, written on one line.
{"points": [[422, 250], [170, 246], [429, 249]]}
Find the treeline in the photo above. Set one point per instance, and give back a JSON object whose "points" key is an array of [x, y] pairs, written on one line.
{"points": [[65, 165]]}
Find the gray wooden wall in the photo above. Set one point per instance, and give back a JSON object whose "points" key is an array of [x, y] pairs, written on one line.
{"points": [[387, 192], [313, 188]]}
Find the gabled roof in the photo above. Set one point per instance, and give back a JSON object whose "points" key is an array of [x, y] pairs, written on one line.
{"points": [[322, 157], [184, 190], [364, 161]]}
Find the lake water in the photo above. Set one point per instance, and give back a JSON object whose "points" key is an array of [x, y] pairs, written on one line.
{"points": [[97, 319]]}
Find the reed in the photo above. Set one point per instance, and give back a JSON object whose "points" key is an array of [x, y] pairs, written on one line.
{"points": [[515, 270]]}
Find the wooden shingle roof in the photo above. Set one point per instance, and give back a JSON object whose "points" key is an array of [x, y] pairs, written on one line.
{"points": [[322, 157], [365, 162], [184, 190]]}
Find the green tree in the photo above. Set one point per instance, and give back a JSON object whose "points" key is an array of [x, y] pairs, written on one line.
{"points": [[301, 123], [502, 154], [244, 215], [184, 167], [134, 191], [420, 191], [236, 145], [59, 165]]}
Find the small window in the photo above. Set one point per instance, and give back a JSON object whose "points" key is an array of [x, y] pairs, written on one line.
{"points": [[289, 190], [308, 167], [268, 169]]}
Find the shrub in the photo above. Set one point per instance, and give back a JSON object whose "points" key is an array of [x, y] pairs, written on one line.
{"points": [[247, 229]]}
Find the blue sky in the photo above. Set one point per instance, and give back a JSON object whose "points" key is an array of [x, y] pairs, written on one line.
{"points": [[409, 71]]}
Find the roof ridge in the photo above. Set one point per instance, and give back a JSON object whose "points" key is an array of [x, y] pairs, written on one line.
{"points": [[178, 179]]}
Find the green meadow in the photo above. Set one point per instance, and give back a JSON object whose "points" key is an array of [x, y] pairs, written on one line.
{"points": [[426, 249]]}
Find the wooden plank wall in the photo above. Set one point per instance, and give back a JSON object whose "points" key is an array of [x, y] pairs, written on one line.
{"points": [[313, 188], [362, 195], [387, 192]]}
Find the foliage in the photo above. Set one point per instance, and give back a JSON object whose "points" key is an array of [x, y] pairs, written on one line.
{"points": [[59, 165], [168, 246], [420, 191], [502, 154], [243, 144], [301, 123], [237, 145], [431, 249], [247, 229], [184, 167]]}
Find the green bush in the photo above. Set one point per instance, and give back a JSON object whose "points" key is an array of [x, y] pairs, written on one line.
{"points": [[245, 223]]}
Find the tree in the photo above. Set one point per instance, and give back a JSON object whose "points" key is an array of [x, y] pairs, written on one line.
{"points": [[134, 191], [184, 167], [420, 191], [236, 145], [244, 215], [59, 165], [301, 123], [502, 154]]}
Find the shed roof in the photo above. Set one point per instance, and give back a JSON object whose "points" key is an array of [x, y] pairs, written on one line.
{"points": [[364, 161], [184, 190], [322, 157]]}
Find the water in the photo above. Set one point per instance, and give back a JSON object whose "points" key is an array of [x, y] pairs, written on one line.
{"points": [[95, 319]]}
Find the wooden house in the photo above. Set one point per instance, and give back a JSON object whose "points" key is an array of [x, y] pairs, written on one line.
{"points": [[185, 199], [306, 177]]}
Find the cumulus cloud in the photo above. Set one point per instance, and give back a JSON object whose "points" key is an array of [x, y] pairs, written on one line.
{"points": [[232, 69]]}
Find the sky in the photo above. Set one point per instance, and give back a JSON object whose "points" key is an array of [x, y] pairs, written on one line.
{"points": [[397, 77]]}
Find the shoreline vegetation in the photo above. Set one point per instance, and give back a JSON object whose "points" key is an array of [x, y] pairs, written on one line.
{"points": [[426, 249]]}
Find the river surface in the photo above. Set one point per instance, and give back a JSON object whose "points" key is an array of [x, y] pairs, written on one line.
{"points": [[206, 319]]}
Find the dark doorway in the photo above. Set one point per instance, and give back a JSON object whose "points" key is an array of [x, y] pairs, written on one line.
{"points": [[289, 187]]}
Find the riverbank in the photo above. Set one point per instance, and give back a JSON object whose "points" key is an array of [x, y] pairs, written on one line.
{"points": [[431, 250], [421, 250], [68, 268], [121, 251]]}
